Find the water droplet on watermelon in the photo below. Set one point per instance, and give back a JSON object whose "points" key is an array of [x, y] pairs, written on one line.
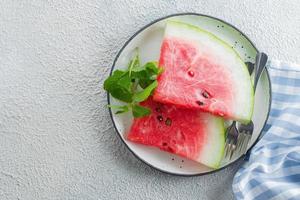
{"points": [[191, 73], [168, 122], [160, 118]]}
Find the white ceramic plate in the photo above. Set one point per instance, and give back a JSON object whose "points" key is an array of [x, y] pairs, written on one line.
{"points": [[148, 40]]}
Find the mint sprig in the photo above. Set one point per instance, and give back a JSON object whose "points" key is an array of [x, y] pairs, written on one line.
{"points": [[133, 86]]}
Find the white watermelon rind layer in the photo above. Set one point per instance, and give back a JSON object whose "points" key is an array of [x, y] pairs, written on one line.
{"points": [[244, 117], [213, 150]]}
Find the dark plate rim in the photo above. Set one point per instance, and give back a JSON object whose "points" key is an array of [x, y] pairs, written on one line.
{"points": [[142, 29]]}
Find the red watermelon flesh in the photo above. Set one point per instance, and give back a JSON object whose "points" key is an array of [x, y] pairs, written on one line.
{"points": [[201, 72], [192, 87], [192, 134]]}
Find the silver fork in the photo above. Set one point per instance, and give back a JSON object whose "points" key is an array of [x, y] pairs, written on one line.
{"points": [[238, 138]]}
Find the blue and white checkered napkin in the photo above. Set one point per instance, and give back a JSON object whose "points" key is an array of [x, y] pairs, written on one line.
{"points": [[273, 169]]}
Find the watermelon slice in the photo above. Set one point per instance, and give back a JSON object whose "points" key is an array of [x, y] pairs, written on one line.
{"points": [[189, 133], [203, 72]]}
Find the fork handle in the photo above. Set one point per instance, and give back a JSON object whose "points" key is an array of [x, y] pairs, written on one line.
{"points": [[260, 63]]}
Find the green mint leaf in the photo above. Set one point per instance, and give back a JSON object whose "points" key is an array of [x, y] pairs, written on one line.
{"points": [[153, 77], [125, 81], [124, 107], [138, 69], [160, 70], [122, 94], [144, 78], [119, 86], [144, 94], [140, 111], [120, 112], [121, 109], [149, 74], [151, 67], [111, 80], [134, 63], [145, 82]]}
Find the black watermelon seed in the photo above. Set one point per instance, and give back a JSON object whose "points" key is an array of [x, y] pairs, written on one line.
{"points": [[200, 103], [160, 118], [205, 94], [168, 122]]}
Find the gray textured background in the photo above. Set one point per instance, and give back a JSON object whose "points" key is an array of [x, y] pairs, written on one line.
{"points": [[57, 141]]}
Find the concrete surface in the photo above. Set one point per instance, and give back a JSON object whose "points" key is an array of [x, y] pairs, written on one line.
{"points": [[57, 141]]}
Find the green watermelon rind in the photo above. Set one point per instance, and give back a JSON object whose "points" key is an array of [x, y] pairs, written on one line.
{"points": [[219, 131], [222, 145], [228, 47]]}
